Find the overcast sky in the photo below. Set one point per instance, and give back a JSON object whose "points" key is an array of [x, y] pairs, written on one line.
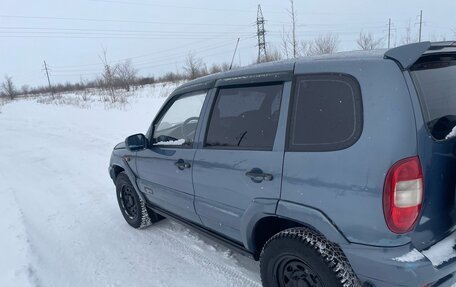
{"points": [[157, 35]]}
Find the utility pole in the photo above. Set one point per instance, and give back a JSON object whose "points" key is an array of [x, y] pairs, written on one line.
{"points": [[389, 33], [421, 25], [47, 74], [262, 55], [235, 50], [293, 19]]}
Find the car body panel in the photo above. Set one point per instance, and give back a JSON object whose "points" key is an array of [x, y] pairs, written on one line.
{"points": [[163, 183], [337, 193], [223, 192], [348, 184], [438, 160]]}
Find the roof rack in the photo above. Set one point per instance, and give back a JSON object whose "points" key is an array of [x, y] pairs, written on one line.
{"points": [[407, 55]]}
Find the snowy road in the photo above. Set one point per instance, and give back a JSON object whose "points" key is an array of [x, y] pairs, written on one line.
{"points": [[60, 223]]}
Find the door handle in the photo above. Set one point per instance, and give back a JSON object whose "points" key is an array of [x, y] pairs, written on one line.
{"points": [[257, 175], [181, 164]]}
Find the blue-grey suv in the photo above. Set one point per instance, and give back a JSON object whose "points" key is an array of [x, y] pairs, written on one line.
{"points": [[332, 171]]}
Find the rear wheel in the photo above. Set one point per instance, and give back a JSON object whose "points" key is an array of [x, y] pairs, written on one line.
{"points": [[299, 257], [133, 208]]}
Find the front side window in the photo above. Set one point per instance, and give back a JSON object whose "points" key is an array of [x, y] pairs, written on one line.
{"points": [[177, 125], [326, 113], [245, 118]]}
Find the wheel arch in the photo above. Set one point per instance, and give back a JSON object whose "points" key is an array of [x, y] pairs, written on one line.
{"points": [[116, 169], [119, 164], [269, 217]]}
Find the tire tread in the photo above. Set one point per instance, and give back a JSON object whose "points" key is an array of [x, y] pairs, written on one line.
{"points": [[330, 252]]}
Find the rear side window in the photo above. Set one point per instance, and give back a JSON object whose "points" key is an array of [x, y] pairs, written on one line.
{"points": [[245, 118], [326, 114], [435, 81]]}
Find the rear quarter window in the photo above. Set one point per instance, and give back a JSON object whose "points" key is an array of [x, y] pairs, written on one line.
{"points": [[326, 113]]}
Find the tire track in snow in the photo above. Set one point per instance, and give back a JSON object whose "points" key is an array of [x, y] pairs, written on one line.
{"points": [[241, 279], [23, 271]]}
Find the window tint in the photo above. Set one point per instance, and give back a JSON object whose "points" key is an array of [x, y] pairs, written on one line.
{"points": [[434, 78], [177, 126], [326, 114], [245, 117]]}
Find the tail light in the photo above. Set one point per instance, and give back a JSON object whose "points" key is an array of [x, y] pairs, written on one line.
{"points": [[403, 195]]}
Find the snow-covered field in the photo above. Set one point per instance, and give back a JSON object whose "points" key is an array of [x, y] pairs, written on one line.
{"points": [[60, 223]]}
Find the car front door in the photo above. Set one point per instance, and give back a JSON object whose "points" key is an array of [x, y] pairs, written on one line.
{"points": [[165, 168], [241, 158]]}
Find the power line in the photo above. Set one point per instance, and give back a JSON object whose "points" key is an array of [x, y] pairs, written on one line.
{"points": [[103, 31], [140, 64], [171, 6], [152, 54], [168, 62], [116, 20], [69, 36], [137, 56], [227, 52]]}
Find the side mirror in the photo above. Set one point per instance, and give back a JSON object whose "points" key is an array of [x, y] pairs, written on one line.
{"points": [[136, 142]]}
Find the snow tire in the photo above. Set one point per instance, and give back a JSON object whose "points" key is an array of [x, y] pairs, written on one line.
{"points": [[325, 260], [140, 217]]}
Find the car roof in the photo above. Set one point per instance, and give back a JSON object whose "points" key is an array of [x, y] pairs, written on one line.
{"points": [[405, 56], [270, 70]]}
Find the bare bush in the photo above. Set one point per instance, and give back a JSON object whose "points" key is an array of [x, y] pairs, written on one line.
{"points": [[25, 89], [8, 90], [273, 55], [142, 81], [171, 77], [194, 66], [109, 78], [126, 74], [84, 95], [367, 42], [324, 44], [215, 68]]}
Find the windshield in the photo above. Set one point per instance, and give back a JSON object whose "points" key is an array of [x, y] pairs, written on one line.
{"points": [[435, 80]]}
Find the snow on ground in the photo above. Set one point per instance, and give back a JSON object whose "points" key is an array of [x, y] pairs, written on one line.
{"points": [[60, 223]]}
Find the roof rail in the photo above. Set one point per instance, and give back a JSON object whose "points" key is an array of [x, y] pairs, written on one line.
{"points": [[407, 55]]}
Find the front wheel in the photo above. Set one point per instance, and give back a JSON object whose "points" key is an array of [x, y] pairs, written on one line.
{"points": [[133, 209], [299, 257]]}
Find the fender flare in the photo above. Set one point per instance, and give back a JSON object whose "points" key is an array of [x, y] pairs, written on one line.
{"points": [[123, 163], [261, 208]]}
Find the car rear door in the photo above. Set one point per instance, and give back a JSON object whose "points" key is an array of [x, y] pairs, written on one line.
{"points": [[433, 78], [242, 154], [165, 168]]}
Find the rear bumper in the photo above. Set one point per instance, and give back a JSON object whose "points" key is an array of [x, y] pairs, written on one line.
{"points": [[402, 266]]}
